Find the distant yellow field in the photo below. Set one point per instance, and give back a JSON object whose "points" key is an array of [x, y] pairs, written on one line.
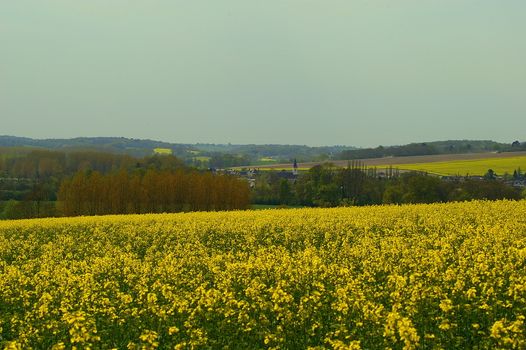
{"points": [[469, 167], [267, 159], [442, 164], [162, 151], [452, 167]]}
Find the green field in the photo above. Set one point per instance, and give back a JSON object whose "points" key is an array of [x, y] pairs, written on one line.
{"points": [[469, 167]]}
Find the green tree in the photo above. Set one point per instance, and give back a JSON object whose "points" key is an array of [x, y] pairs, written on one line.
{"points": [[285, 194], [490, 175]]}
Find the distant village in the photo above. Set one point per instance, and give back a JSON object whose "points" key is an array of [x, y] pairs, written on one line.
{"points": [[251, 175]]}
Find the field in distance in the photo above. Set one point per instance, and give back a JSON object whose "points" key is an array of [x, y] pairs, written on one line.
{"points": [[166, 151], [470, 167], [444, 164], [440, 276]]}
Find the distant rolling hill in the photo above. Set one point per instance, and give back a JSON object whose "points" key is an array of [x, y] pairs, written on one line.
{"points": [[134, 147], [276, 156], [200, 151]]}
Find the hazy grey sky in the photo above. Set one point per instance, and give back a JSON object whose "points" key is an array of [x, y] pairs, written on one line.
{"points": [[355, 72]]}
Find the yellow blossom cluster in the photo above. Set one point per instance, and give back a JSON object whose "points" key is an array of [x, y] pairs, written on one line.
{"points": [[439, 276]]}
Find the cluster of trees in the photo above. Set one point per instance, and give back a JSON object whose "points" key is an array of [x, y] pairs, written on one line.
{"points": [[417, 149], [44, 164], [518, 146], [327, 186], [22, 170], [225, 160], [518, 175], [25, 209], [418, 188], [90, 182], [153, 191]]}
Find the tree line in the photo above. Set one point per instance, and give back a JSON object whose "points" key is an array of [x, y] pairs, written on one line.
{"points": [[329, 186], [431, 148], [46, 164], [154, 191]]}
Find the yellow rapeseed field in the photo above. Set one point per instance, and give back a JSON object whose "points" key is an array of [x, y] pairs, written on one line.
{"points": [[441, 276], [480, 167]]}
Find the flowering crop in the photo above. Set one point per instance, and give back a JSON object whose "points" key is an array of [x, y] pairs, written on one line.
{"points": [[438, 276]]}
